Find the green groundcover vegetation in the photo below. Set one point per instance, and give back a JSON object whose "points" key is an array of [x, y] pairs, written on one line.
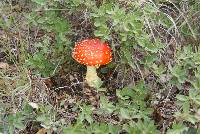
{"points": [[151, 86]]}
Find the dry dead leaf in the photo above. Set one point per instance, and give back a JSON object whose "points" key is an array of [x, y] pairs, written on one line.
{"points": [[42, 131], [4, 65]]}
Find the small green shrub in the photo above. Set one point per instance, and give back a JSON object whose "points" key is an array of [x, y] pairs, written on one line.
{"points": [[150, 38], [54, 47]]}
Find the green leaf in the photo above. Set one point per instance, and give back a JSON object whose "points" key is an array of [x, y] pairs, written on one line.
{"points": [[86, 113], [61, 25], [196, 83], [44, 118], [194, 95], [144, 41], [186, 107], [158, 69], [103, 32], [149, 60], [125, 93], [128, 55], [101, 128], [182, 97], [124, 113], [77, 2], [177, 129], [141, 127], [11, 129], [78, 128], [106, 106], [192, 131], [16, 121], [19, 124], [114, 129], [100, 22], [40, 2], [179, 72], [192, 119]]}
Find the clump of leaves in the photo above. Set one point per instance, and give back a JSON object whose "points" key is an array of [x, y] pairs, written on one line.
{"points": [[132, 28], [53, 47], [17, 120]]}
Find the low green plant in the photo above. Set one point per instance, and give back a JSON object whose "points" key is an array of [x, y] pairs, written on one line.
{"points": [[148, 38], [11, 122], [53, 49]]}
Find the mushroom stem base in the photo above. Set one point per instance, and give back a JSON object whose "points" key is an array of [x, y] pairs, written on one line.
{"points": [[91, 77]]}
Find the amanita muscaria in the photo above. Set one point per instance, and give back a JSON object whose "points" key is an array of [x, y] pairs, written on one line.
{"points": [[92, 53]]}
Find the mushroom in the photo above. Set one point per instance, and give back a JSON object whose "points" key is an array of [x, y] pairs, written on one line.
{"points": [[93, 53]]}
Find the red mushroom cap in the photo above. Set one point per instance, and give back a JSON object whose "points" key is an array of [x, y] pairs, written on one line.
{"points": [[92, 52]]}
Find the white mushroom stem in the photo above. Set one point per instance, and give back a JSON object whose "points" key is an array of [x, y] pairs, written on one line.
{"points": [[91, 77]]}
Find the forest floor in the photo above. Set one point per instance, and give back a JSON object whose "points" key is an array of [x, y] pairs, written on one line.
{"points": [[140, 87]]}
